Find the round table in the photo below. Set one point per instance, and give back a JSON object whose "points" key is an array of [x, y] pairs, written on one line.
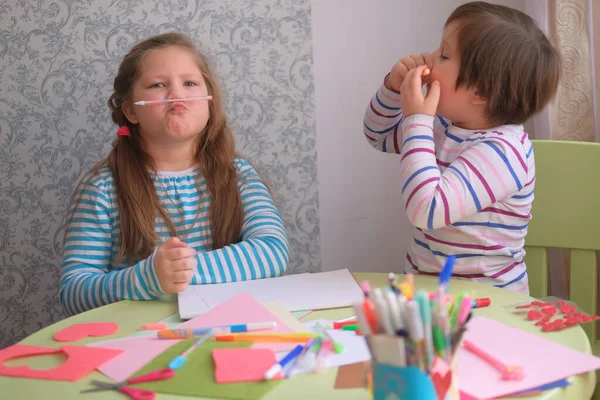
{"points": [[131, 315]]}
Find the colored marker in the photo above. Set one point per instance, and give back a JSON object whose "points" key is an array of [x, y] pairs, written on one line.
{"points": [[383, 312], [266, 337], [407, 286], [395, 312], [218, 330], [483, 302], [352, 327], [392, 283], [415, 330], [278, 368], [178, 361], [425, 309], [309, 358], [455, 310], [369, 308], [341, 324], [465, 310], [443, 321], [337, 346]]}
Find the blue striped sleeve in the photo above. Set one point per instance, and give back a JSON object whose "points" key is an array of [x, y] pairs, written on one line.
{"points": [[87, 280], [262, 251]]}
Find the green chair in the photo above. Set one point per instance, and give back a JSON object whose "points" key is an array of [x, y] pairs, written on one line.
{"points": [[566, 214]]}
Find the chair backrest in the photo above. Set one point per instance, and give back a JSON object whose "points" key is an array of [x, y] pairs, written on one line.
{"points": [[566, 214]]}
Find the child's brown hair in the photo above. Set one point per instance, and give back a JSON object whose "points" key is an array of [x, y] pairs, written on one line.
{"points": [[137, 199], [507, 59]]}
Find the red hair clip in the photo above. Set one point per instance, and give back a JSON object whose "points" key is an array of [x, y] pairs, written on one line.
{"points": [[123, 131]]}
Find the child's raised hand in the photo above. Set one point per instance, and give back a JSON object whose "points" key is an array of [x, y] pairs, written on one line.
{"points": [[413, 100], [401, 68], [174, 264]]}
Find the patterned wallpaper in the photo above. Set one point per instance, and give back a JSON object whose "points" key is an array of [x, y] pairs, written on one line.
{"points": [[57, 62]]}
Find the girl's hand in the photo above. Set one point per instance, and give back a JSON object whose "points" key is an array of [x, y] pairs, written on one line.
{"points": [[401, 68], [174, 264], [413, 100]]}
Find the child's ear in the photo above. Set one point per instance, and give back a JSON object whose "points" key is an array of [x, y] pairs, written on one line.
{"points": [[478, 100], [129, 111]]}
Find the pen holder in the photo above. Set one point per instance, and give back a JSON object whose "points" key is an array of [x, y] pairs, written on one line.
{"points": [[390, 382]]}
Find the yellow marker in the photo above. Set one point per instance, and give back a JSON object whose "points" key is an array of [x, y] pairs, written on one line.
{"points": [[407, 286], [407, 290], [427, 71]]}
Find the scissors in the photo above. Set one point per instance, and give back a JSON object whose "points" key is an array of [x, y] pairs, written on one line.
{"points": [[134, 394]]}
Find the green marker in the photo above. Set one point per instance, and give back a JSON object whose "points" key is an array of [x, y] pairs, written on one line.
{"points": [[439, 341], [455, 311], [352, 327]]}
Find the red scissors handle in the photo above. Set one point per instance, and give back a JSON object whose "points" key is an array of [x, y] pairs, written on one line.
{"points": [[158, 375], [137, 394]]}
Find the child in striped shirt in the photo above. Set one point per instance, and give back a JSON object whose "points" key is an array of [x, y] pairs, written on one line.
{"points": [[171, 205], [467, 168]]}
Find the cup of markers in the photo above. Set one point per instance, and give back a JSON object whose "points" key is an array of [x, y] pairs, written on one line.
{"points": [[413, 337]]}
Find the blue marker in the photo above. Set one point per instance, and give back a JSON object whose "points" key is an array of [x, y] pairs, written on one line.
{"points": [[443, 321], [278, 368], [178, 361]]}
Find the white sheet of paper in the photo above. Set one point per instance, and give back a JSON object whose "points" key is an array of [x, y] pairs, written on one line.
{"points": [[355, 348], [333, 289]]}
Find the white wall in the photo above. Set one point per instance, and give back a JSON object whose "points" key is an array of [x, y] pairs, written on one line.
{"points": [[355, 43]]}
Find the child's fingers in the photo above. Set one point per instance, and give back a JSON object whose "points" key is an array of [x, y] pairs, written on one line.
{"points": [[179, 253], [414, 79], [419, 59], [433, 96], [182, 276], [183, 264], [173, 242], [179, 287], [409, 62]]}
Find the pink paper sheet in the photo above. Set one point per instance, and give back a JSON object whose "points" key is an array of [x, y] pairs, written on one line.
{"points": [[242, 365], [242, 309], [543, 361], [138, 351]]}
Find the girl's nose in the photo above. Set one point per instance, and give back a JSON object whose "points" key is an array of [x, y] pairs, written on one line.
{"points": [[175, 92]]}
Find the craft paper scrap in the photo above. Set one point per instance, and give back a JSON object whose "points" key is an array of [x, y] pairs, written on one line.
{"points": [[81, 331], [80, 361], [137, 352], [351, 376], [242, 364], [244, 309], [197, 377]]}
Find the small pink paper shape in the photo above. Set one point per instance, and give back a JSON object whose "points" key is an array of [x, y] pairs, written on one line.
{"points": [[80, 361], [441, 375], [242, 364], [81, 331], [241, 309]]}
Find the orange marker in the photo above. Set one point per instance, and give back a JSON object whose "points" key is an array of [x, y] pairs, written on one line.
{"points": [[427, 71], [272, 338], [368, 308]]}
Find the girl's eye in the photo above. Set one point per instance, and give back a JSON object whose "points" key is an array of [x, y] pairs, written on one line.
{"points": [[157, 85], [190, 84], [443, 57]]}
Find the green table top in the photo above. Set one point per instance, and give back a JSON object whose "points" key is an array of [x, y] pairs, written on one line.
{"points": [[131, 315]]}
